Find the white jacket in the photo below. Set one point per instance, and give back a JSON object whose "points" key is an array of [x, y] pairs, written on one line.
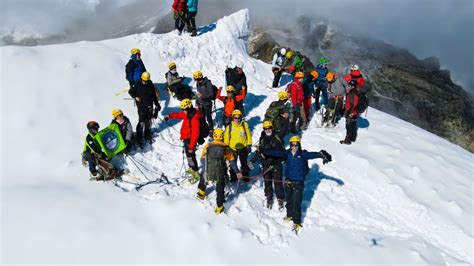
{"points": [[278, 60]]}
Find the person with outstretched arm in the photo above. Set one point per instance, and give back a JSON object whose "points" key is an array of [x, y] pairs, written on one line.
{"points": [[295, 175]]}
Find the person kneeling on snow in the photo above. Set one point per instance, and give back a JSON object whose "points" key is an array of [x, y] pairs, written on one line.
{"points": [[295, 174], [125, 126], [214, 156], [189, 134], [175, 83]]}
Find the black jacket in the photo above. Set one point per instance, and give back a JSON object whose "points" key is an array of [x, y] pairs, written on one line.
{"points": [[269, 142], [205, 88], [147, 94]]}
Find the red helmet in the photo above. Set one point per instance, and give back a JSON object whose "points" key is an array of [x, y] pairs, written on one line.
{"points": [[291, 69], [93, 125]]}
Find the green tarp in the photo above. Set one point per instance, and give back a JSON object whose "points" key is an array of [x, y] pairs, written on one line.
{"points": [[110, 140]]}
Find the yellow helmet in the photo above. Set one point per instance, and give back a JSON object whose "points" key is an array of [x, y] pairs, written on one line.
{"points": [[135, 51], [236, 112], [218, 134], [267, 124], [295, 139], [230, 88], [299, 75], [197, 75], [289, 54], [331, 77], [283, 96], [186, 104], [171, 65], [145, 76], [116, 112]]}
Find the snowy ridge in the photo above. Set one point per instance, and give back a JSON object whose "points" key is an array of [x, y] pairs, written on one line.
{"points": [[398, 195]]}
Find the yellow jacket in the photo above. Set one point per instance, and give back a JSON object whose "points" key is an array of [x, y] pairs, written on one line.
{"points": [[238, 136]]}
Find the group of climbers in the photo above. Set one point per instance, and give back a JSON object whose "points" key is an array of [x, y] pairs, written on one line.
{"points": [[320, 84], [232, 142], [184, 13]]}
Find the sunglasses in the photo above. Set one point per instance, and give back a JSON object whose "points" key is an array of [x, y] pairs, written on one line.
{"points": [[237, 117], [267, 128], [294, 144]]}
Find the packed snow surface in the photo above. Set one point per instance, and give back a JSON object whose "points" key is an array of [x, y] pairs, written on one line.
{"points": [[398, 195]]}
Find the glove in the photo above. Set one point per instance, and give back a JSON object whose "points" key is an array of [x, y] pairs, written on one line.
{"points": [[166, 118], [326, 156], [155, 113]]}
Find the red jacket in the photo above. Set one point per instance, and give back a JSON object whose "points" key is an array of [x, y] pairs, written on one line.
{"points": [[296, 93], [190, 126], [352, 100], [357, 76], [179, 5]]}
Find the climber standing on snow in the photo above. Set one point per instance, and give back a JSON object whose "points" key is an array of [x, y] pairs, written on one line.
{"points": [[189, 134], [145, 95], [350, 112], [295, 174], [205, 96], [297, 97], [321, 83], [236, 77], [278, 62], [135, 67], [180, 9], [191, 17], [214, 156]]}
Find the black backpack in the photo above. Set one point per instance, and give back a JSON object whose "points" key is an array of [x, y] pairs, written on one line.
{"points": [[214, 90], [203, 129], [231, 76], [363, 103], [216, 166]]}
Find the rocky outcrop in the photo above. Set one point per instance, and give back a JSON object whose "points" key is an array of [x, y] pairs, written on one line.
{"points": [[415, 90]]}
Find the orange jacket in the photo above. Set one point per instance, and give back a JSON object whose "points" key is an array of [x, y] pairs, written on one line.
{"points": [[230, 102]]}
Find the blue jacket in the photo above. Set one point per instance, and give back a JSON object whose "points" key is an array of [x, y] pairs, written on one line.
{"points": [[322, 72], [192, 5], [296, 165], [134, 69]]}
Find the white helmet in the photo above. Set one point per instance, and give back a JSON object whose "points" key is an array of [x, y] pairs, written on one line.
{"points": [[283, 51], [239, 64], [354, 67]]}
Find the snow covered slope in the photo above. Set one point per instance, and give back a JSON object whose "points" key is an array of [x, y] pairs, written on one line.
{"points": [[399, 195]]}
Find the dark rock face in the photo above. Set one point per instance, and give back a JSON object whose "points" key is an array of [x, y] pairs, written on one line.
{"points": [[400, 84]]}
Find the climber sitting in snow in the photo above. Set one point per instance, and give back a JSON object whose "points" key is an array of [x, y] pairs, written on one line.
{"points": [[175, 83], [295, 174], [125, 127], [214, 157]]}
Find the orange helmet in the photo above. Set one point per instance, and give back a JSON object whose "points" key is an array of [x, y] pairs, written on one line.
{"points": [[299, 75], [315, 74], [331, 77]]}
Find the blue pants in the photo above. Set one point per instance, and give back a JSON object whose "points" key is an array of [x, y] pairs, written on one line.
{"points": [[91, 161]]}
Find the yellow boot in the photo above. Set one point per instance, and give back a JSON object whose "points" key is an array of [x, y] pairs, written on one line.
{"points": [[219, 210]]}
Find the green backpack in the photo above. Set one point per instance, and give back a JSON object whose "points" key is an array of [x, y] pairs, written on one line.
{"points": [[216, 166]]}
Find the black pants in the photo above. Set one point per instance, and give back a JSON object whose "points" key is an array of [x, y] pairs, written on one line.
{"points": [[179, 20], [220, 185], [277, 76], [294, 197], [351, 129], [241, 155], [317, 92], [144, 124], [295, 116], [273, 179], [191, 21], [190, 156], [206, 110], [181, 91]]}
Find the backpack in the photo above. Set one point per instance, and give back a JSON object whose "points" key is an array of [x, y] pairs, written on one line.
{"points": [[231, 76], [363, 103], [214, 91], [216, 166], [273, 111]]}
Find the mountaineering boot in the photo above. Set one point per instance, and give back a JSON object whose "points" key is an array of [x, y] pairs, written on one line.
{"points": [[281, 205], [193, 33], [269, 203], [219, 210], [201, 194], [287, 219], [193, 176], [94, 176], [345, 142], [296, 228]]}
